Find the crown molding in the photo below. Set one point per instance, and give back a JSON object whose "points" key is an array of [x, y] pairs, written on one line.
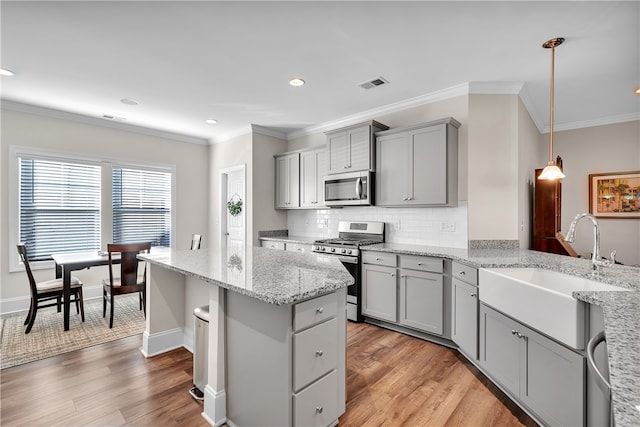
{"points": [[611, 120], [451, 92], [533, 112], [65, 115], [495, 88], [268, 132]]}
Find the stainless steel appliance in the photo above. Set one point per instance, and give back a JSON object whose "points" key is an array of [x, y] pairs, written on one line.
{"points": [[349, 189], [351, 236]]}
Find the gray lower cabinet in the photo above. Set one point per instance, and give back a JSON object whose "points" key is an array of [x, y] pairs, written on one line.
{"points": [[464, 308], [405, 290], [543, 375], [272, 244], [379, 292], [464, 317], [286, 365]]}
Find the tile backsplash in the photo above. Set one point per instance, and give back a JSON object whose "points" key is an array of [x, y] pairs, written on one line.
{"points": [[445, 227]]}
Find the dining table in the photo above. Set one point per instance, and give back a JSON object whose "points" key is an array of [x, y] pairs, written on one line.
{"points": [[67, 262]]}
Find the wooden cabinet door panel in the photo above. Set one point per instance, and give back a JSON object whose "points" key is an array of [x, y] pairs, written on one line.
{"points": [[500, 348], [359, 149], [379, 292], [429, 166], [337, 146], [552, 382], [392, 173], [421, 301], [464, 323]]}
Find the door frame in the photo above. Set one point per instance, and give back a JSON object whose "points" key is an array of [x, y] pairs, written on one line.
{"points": [[224, 173]]}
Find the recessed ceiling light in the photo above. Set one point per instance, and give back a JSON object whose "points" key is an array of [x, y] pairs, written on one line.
{"points": [[128, 101], [638, 91], [211, 121], [296, 81], [6, 72]]}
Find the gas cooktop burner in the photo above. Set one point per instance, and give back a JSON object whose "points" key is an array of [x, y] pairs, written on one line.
{"points": [[345, 242]]}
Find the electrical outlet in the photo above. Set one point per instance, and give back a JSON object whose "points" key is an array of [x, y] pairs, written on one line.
{"points": [[325, 222], [397, 225], [448, 226]]}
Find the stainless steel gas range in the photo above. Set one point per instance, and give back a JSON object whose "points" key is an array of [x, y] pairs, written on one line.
{"points": [[351, 236]]}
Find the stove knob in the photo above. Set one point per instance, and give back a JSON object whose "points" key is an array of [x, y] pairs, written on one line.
{"points": [[333, 249], [349, 251], [344, 251], [323, 249]]}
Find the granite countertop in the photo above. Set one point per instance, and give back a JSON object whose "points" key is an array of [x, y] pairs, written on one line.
{"points": [[621, 309], [291, 239], [270, 275]]}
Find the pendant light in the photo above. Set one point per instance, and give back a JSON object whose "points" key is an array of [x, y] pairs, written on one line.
{"points": [[551, 171]]}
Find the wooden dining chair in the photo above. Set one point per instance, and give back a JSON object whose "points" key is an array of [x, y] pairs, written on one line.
{"points": [[129, 281], [42, 293], [196, 239]]}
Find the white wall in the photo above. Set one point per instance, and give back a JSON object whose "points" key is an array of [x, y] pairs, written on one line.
{"points": [[32, 130], [532, 154], [493, 167], [600, 149]]}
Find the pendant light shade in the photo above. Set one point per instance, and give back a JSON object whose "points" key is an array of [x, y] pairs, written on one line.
{"points": [[551, 171]]}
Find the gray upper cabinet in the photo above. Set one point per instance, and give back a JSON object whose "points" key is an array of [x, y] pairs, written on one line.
{"points": [[352, 149], [418, 165], [313, 167], [288, 181], [545, 376]]}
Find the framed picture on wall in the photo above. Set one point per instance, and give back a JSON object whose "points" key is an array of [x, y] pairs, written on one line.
{"points": [[615, 194]]}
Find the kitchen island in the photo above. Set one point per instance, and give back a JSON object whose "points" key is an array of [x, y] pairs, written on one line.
{"points": [[277, 331]]}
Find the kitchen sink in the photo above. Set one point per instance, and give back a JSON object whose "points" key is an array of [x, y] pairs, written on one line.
{"points": [[540, 299]]}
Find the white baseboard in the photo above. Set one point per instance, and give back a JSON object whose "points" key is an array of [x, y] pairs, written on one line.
{"points": [[215, 406], [13, 305], [162, 342]]}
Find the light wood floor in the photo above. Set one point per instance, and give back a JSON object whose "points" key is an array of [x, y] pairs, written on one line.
{"points": [[392, 380]]}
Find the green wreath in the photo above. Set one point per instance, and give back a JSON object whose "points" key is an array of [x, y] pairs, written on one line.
{"points": [[234, 207]]}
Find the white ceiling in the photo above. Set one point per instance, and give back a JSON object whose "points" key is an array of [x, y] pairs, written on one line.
{"points": [[185, 62]]}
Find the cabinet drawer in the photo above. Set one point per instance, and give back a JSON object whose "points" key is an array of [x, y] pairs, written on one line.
{"points": [[314, 311], [465, 273], [272, 244], [422, 263], [318, 404], [379, 258], [298, 247], [315, 353]]}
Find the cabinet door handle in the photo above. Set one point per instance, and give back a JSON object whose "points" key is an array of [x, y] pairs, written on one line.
{"points": [[419, 263], [473, 295], [393, 275], [320, 310], [377, 259], [462, 273], [319, 409], [319, 353]]}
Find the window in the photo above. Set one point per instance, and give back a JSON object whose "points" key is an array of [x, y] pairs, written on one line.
{"points": [[63, 203], [141, 206], [59, 207]]}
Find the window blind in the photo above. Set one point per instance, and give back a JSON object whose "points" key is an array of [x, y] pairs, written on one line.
{"points": [[141, 206], [59, 207]]}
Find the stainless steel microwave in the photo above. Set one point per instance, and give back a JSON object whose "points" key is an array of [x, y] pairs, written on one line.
{"points": [[349, 189]]}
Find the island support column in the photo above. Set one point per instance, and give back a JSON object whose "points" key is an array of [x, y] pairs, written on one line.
{"points": [[215, 399], [165, 311]]}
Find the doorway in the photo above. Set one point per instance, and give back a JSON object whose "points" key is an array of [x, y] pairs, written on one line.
{"points": [[234, 206]]}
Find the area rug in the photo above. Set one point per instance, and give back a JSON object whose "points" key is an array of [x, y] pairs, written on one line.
{"points": [[48, 338]]}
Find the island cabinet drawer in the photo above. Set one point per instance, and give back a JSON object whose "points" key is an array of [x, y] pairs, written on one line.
{"points": [[317, 405], [465, 273], [314, 311], [379, 258], [272, 244], [422, 263], [315, 353]]}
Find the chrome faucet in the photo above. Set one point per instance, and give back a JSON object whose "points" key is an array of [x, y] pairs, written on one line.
{"points": [[596, 262]]}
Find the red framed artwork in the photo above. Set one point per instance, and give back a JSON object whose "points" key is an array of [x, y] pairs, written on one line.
{"points": [[615, 194]]}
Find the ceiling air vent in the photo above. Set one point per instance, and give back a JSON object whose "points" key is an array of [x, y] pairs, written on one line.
{"points": [[374, 83]]}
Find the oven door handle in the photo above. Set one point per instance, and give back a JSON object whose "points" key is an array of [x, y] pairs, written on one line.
{"points": [[348, 259]]}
